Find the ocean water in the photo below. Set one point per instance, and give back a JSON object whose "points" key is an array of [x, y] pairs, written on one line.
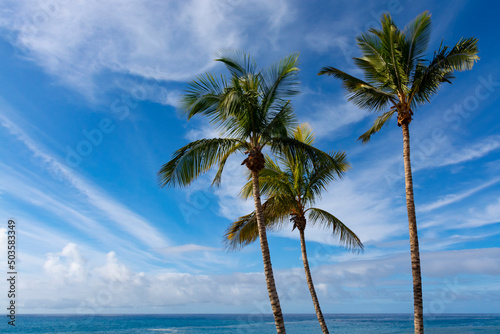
{"points": [[251, 323]]}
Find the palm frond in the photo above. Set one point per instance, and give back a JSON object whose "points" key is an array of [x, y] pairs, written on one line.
{"points": [[273, 182], [377, 125], [372, 50], [223, 159], [241, 232], [445, 61], [280, 81], [347, 237], [280, 123], [323, 174], [360, 92], [392, 35], [244, 231], [198, 157], [375, 74], [239, 109], [203, 96], [295, 148], [239, 63], [417, 35], [461, 57], [304, 133], [247, 190], [270, 167]]}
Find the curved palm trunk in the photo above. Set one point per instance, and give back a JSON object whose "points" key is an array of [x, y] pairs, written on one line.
{"points": [[310, 284], [412, 221], [268, 269]]}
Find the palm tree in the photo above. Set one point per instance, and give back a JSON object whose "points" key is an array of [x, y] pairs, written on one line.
{"points": [[292, 185], [252, 110], [398, 78]]}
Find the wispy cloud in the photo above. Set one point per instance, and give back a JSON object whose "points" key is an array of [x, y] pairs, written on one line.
{"points": [[453, 198], [329, 118], [189, 248], [127, 220], [490, 214], [79, 40], [473, 152]]}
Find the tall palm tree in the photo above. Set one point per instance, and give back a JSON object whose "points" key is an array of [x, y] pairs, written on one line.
{"points": [[398, 78], [252, 110], [292, 185]]}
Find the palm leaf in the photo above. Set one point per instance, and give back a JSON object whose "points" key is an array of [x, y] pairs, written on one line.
{"points": [[203, 96], [323, 174], [280, 81], [239, 63], [347, 237], [244, 231], [417, 35], [304, 133], [429, 78], [371, 47], [360, 92], [223, 159], [280, 123], [377, 125], [198, 157]]}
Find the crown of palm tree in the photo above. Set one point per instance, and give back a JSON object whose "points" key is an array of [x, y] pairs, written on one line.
{"points": [[292, 184], [252, 110], [397, 76]]}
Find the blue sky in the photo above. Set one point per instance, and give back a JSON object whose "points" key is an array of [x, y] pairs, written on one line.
{"points": [[88, 94]]}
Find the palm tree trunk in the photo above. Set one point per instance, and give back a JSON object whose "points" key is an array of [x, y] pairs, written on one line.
{"points": [[412, 221], [268, 269], [310, 284]]}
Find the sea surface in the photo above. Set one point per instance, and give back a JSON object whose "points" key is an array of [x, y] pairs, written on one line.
{"points": [[250, 323]]}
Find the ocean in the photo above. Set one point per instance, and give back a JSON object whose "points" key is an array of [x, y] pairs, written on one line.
{"points": [[250, 323]]}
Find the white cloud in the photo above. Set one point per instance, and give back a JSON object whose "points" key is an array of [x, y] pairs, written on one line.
{"points": [[484, 261], [69, 265], [468, 217], [114, 271], [67, 209], [328, 119], [206, 130], [490, 214], [170, 40], [114, 286], [445, 242]]}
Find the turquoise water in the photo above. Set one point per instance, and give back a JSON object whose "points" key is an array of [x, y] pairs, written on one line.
{"points": [[252, 323]]}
